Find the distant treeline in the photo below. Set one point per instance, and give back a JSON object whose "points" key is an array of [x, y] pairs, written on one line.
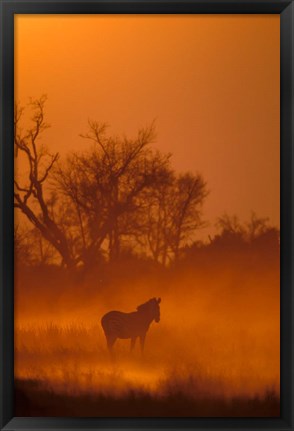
{"points": [[116, 200]]}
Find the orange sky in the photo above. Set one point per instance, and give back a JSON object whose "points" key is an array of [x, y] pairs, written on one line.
{"points": [[211, 83]]}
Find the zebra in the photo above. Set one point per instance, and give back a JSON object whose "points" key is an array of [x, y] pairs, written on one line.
{"points": [[117, 324]]}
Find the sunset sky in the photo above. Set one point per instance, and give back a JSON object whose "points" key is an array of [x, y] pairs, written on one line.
{"points": [[210, 82]]}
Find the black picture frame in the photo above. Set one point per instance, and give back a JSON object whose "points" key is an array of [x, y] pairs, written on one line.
{"points": [[10, 7]]}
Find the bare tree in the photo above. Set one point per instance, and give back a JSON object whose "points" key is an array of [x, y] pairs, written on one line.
{"points": [[230, 225], [22, 247], [174, 214], [190, 192], [256, 226], [256, 230], [157, 218], [29, 195], [118, 191], [104, 186]]}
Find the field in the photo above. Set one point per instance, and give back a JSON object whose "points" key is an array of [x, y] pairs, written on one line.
{"points": [[218, 357], [79, 373]]}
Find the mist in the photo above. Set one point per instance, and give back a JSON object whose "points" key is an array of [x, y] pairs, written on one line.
{"points": [[218, 336]]}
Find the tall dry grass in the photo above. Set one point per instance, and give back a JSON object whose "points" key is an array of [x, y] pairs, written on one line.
{"points": [[215, 350]]}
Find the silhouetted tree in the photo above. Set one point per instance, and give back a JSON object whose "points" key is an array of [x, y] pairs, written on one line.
{"points": [[174, 214], [23, 249], [29, 195], [255, 227], [157, 219], [104, 186], [257, 231], [190, 192], [119, 193]]}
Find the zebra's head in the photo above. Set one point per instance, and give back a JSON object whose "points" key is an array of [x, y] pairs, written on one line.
{"points": [[152, 308]]}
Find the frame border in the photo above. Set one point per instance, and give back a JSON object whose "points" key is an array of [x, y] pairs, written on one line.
{"points": [[7, 10]]}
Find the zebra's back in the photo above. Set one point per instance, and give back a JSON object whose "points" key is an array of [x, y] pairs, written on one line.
{"points": [[120, 325]]}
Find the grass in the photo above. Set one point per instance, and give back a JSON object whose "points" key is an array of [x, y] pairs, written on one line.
{"points": [[66, 371], [215, 352], [32, 398]]}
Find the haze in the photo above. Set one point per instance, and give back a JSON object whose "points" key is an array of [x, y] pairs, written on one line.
{"points": [[124, 225]]}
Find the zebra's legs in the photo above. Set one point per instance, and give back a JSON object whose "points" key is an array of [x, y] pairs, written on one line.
{"points": [[133, 342], [142, 342], [110, 343]]}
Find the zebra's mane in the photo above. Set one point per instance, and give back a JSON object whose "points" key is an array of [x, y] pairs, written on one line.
{"points": [[145, 305]]}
